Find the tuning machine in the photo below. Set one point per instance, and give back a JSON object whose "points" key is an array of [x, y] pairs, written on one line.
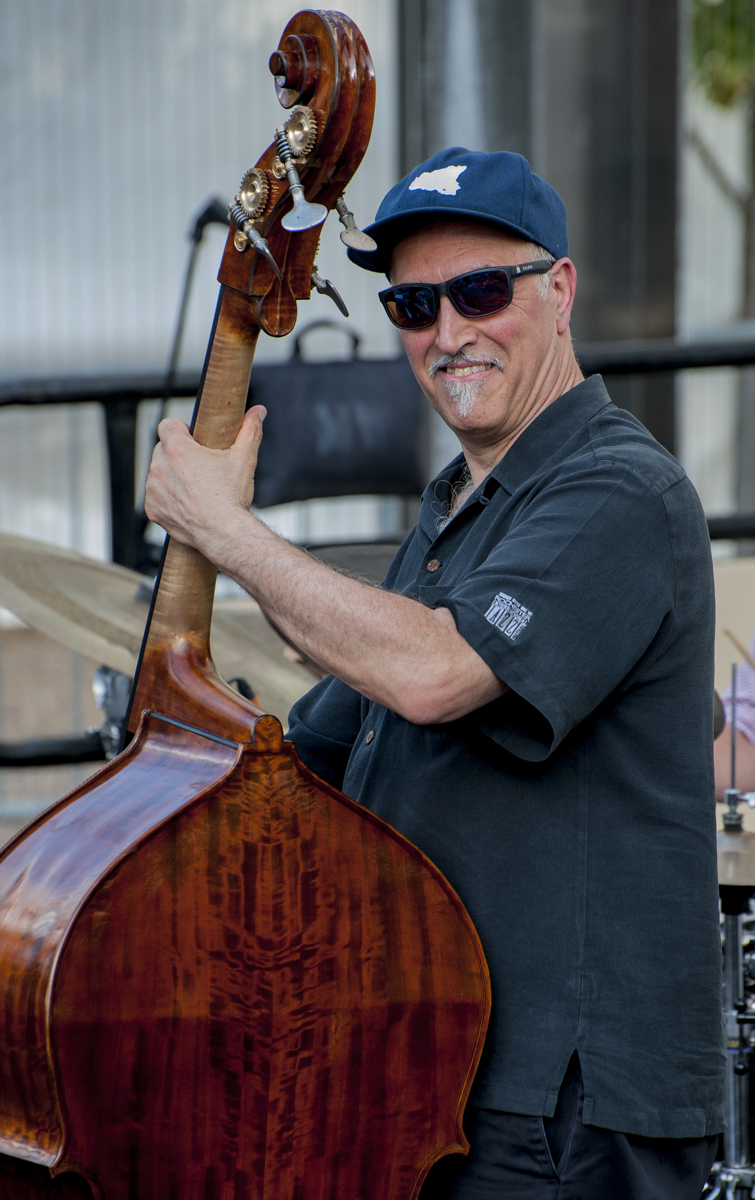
{"points": [[326, 288], [293, 141], [301, 132], [352, 236], [250, 202], [254, 192]]}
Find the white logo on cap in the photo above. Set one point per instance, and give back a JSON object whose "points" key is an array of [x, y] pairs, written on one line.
{"points": [[443, 180]]}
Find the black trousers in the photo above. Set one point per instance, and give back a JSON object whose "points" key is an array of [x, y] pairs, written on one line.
{"points": [[558, 1158]]}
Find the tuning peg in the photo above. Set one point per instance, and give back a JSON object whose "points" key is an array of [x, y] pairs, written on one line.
{"points": [[352, 237], [246, 235], [326, 288], [303, 215]]}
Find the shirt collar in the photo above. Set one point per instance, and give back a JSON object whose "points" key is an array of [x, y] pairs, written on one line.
{"points": [[547, 436]]}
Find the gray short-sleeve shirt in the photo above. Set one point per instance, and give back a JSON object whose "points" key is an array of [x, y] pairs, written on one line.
{"points": [[575, 815]]}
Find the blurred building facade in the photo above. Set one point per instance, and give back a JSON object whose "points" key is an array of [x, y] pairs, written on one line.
{"points": [[120, 121], [587, 91]]}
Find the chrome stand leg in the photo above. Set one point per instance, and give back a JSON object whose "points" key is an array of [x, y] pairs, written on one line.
{"points": [[734, 1178]]}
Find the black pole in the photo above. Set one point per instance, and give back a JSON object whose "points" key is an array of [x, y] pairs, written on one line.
{"points": [[215, 212]]}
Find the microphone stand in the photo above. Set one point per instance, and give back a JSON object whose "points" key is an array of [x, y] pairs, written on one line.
{"points": [[215, 212]]}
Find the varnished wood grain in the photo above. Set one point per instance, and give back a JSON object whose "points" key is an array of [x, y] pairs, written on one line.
{"points": [[21, 1180], [226, 382], [251, 988], [343, 101], [46, 872], [177, 641], [220, 979], [179, 625]]}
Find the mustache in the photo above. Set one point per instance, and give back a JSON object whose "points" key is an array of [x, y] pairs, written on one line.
{"points": [[461, 359]]}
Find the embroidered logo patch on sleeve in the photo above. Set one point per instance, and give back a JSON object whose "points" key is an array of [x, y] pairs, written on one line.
{"points": [[508, 615]]}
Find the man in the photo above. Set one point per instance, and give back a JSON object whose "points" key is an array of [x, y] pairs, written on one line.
{"points": [[527, 698]]}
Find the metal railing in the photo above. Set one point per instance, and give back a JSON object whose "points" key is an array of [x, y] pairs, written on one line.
{"points": [[120, 394]]}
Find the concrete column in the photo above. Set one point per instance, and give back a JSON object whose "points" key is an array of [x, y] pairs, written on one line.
{"points": [[465, 76], [587, 90]]}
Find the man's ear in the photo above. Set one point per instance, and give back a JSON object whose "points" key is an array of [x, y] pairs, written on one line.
{"points": [[563, 277]]}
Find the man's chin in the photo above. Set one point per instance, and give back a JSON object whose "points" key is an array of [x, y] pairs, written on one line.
{"points": [[475, 419], [470, 405]]}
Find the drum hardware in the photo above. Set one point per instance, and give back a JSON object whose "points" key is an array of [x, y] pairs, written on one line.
{"points": [[99, 609], [242, 685], [54, 751], [111, 690], [736, 848], [734, 1177], [352, 236]]}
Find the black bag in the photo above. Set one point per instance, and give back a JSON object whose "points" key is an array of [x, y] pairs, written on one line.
{"points": [[339, 428]]}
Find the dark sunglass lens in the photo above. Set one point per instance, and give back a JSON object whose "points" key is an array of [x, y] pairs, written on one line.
{"points": [[411, 307], [482, 293]]}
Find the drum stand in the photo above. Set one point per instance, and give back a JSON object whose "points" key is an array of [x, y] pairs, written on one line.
{"points": [[734, 1176], [736, 1173]]}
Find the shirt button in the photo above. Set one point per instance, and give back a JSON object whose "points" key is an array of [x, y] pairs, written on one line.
{"points": [[433, 564], [370, 737]]}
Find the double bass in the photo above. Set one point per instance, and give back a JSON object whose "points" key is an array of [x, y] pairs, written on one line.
{"points": [[220, 978]]}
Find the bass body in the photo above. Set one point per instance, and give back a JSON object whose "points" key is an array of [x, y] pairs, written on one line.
{"points": [[221, 979]]}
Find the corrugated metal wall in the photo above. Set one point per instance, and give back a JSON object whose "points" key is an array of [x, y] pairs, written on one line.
{"points": [[117, 122]]}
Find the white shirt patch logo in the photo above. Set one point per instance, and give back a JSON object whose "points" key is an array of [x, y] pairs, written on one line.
{"points": [[443, 180], [508, 615]]}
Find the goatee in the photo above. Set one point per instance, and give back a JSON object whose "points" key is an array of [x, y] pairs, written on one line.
{"points": [[463, 392]]}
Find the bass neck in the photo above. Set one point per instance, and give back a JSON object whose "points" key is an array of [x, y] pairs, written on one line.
{"points": [[175, 674]]}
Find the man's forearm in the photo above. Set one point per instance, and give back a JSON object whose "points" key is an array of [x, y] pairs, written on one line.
{"points": [[390, 648]]}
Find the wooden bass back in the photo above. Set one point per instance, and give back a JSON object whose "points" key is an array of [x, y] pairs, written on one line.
{"points": [[244, 986], [221, 979]]}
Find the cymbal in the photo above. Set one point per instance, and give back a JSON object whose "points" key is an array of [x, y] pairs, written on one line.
{"points": [[736, 859], [92, 607]]}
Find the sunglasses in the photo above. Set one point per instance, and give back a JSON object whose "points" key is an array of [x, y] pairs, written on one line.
{"points": [[478, 294]]}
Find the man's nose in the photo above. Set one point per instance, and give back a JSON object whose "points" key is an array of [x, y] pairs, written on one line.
{"points": [[453, 331]]}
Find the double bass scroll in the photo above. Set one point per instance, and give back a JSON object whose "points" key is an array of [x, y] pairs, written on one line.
{"points": [[221, 979]]}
